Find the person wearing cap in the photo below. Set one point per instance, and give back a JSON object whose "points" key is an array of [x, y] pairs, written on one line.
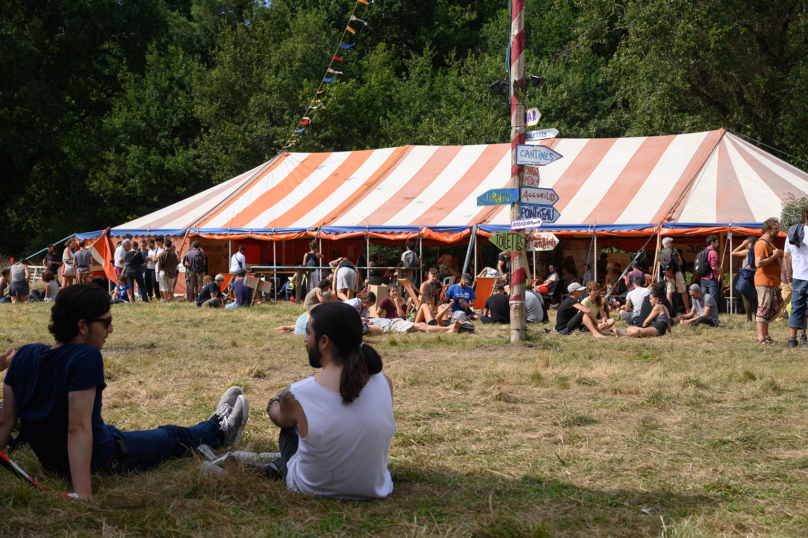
{"points": [[211, 295], [671, 264], [572, 314], [463, 296], [630, 312], [633, 274], [704, 310], [497, 309]]}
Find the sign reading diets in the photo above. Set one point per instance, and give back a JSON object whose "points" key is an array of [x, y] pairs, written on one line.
{"points": [[509, 241], [538, 241], [498, 197], [527, 155]]}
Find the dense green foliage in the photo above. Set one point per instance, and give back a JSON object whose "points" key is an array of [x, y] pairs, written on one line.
{"points": [[111, 109]]}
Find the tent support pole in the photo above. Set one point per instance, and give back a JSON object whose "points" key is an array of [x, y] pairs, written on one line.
{"points": [[596, 255], [656, 252], [471, 245], [534, 266], [274, 265], [421, 253], [229, 251], [731, 308]]}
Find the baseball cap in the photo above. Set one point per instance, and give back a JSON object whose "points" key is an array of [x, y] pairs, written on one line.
{"points": [[575, 287]]}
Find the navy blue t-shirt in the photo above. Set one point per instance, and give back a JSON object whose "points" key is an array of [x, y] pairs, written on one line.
{"points": [[41, 380], [243, 293]]}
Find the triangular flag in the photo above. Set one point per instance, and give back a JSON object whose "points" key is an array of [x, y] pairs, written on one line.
{"points": [[328, 80], [335, 72], [305, 121], [337, 58], [350, 29], [300, 130], [363, 1], [346, 47], [355, 18]]}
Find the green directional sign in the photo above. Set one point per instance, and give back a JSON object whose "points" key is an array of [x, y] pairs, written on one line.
{"points": [[509, 241]]}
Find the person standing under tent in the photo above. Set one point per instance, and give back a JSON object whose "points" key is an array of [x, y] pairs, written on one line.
{"points": [[167, 263], [711, 283], [312, 261], [671, 266], [52, 261], [69, 270], [119, 259], [20, 277], [134, 268], [345, 278], [796, 269], [81, 261], [768, 261], [410, 261], [238, 260], [745, 284], [196, 263]]}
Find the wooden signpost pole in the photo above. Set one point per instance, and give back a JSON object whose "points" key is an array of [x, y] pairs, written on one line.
{"points": [[517, 57]]}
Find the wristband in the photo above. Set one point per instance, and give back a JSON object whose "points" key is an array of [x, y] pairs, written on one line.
{"points": [[271, 401]]}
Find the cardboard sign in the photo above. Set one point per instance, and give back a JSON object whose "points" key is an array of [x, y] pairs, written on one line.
{"points": [[532, 117], [528, 155], [548, 214], [252, 283], [541, 197], [539, 241], [541, 134], [524, 224], [498, 197], [509, 241]]}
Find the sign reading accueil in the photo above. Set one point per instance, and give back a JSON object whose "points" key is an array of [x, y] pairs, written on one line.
{"points": [[509, 241], [527, 155], [547, 214], [498, 197], [542, 197], [541, 134]]}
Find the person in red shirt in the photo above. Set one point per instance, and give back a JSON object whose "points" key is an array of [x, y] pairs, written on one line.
{"points": [[711, 284]]}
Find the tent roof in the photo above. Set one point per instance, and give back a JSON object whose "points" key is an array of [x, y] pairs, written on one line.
{"points": [[617, 183]]}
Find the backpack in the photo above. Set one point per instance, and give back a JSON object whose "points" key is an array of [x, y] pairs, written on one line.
{"points": [[701, 267], [750, 258], [198, 263], [667, 263], [410, 260]]}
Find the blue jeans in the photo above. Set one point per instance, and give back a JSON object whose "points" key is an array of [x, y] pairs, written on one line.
{"points": [[146, 449], [799, 304], [232, 305], [710, 286]]}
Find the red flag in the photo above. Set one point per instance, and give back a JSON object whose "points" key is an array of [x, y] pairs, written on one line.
{"points": [[102, 252], [337, 58]]}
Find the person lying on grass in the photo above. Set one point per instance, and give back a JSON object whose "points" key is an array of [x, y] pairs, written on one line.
{"points": [[433, 309], [572, 314], [336, 426], [362, 302], [377, 326], [657, 322], [56, 391]]}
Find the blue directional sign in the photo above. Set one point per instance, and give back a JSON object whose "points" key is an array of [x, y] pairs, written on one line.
{"points": [[499, 197], [548, 214], [527, 155], [536, 196]]}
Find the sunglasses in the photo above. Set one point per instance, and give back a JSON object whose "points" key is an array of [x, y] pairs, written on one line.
{"points": [[106, 321]]}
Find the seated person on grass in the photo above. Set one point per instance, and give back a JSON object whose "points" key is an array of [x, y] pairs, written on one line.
{"points": [[463, 296], [434, 307], [704, 310], [211, 295], [56, 391], [572, 314], [362, 302], [394, 305], [243, 294], [594, 302], [497, 308], [321, 294], [336, 426], [656, 324], [431, 276], [630, 312], [123, 291]]}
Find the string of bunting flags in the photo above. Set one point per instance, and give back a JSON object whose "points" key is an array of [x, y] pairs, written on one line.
{"points": [[338, 56]]}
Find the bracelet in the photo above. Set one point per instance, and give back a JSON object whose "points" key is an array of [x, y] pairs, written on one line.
{"points": [[271, 401]]}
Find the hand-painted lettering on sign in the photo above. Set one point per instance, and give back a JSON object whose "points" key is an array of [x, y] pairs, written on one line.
{"points": [[525, 224], [542, 197], [531, 176], [509, 241], [528, 155], [532, 117], [541, 134], [538, 241], [499, 197], [548, 214]]}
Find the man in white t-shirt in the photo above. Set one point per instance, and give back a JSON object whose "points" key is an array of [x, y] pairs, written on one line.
{"points": [[238, 261], [631, 311], [120, 258], [544, 287], [796, 266]]}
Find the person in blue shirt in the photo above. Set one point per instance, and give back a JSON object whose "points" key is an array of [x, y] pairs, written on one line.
{"points": [[463, 296], [56, 392], [243, 294]]}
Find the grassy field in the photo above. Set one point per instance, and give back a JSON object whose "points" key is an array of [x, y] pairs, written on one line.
{"points": [[702, 433]]}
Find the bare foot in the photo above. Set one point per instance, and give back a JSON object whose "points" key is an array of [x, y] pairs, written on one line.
{"points": [[455, 326], [617, 332]]}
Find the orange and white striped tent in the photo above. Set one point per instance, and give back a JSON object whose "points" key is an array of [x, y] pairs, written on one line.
{"points": [[626, 186]]}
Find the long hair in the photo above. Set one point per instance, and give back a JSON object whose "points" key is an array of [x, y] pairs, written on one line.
{"points": [[343, 326], [592, 285], [432, 292]]}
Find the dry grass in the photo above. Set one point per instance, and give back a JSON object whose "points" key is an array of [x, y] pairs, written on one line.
{"points": [[698, 434]]}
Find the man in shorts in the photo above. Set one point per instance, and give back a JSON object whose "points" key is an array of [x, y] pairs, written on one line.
{"points": [[768, 261], [671, 265], [167, 263]]}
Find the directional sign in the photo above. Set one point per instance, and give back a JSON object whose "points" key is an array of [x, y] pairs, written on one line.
{"points": [[498, 197], [531, 176], [548, 214], [509, 241], [535, 155], [524, 224], [541, 134], [532, 117], [542, 197], [538, 241]]}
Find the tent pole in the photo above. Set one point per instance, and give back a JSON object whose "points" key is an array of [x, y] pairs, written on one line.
{"points": [[229, 252], [421, 253], [534, 266], [656, 252], [471, 245], [367, 260], [731, 308], [274, 265], [597, 256]]}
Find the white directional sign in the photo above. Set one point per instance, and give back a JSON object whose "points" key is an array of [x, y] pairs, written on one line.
{"points": [[524, 224], [539, 241], [535, 155], [541, 134], [532, 117], [538, 196]]}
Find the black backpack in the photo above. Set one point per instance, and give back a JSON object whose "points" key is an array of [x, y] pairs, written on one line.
{"points": [[701, 267], [667, 263], [198, 263]]}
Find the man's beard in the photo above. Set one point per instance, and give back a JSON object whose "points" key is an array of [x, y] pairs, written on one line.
{"points": [[315, 357]]}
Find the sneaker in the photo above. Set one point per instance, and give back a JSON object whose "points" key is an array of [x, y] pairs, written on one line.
{"points": [[803, 339], [792, 342], [227, 402], [232, 423]]}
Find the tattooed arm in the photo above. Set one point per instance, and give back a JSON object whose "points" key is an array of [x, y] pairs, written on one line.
{"points": [[284, 409]]}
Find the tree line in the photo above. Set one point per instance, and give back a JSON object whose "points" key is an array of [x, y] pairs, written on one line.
{"points": [[111, 109]]}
